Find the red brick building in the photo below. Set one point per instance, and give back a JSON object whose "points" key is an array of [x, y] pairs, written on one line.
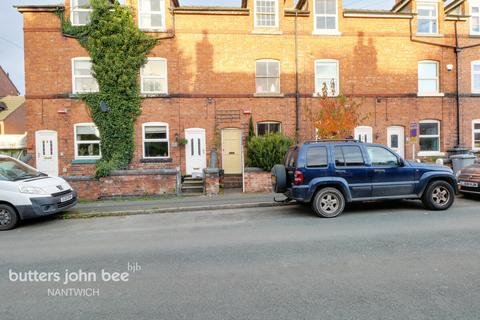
{"points": [[215, 67]]}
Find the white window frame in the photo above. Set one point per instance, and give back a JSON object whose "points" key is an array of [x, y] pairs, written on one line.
{"points": [[316, 30], [318, 91], [420, 136], [428, 94], [162, 12], [474, 3], [142, 77], [473, 73], [77, 157], [167, 139], [474, 122], [255, 16], [278, 92], [428, 4], [74, 8], [74, 88], [269, 123]]}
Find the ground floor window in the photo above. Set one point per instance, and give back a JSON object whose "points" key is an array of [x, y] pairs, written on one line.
{"points": [[429, 137], [87, 141], [476, 134], [268, 127], [155, 140]]}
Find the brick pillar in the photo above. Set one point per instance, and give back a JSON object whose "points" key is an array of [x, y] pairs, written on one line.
{"points": [[212, 181]]}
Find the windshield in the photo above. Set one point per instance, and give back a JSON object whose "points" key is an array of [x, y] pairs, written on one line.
{"points": [[13, 170]]}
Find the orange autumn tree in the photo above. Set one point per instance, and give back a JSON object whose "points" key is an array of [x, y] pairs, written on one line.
{"points": [[338, 116]]}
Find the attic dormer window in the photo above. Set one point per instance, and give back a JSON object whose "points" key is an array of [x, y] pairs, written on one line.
{"points": [[427, 18], [266, 13]]}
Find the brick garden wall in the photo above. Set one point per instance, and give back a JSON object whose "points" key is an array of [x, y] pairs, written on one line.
{"points": [[256, 180], [125, 183]]}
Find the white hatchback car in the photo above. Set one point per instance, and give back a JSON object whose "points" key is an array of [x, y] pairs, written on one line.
{"points": [[27, 193]]}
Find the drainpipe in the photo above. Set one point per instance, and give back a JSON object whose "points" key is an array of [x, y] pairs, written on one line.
{"points": [[457, 77], [297, 93]]}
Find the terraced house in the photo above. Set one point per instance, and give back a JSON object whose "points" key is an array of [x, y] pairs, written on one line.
{"points": [[415, 69]]}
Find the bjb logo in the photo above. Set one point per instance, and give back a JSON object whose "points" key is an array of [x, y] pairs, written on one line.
{"points": [[134, 267]]}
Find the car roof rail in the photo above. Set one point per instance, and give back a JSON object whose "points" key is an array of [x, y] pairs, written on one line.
{"points": [[333, 140]]}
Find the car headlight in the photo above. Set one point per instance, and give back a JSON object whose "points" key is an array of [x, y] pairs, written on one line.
{"points": [[32, 190]]}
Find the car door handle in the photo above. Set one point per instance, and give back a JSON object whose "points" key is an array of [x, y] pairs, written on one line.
{"points": [[379, 170], [340, 171]]}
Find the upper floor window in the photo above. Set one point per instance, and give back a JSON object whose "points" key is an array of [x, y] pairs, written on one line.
{"points": [[155, 140], [268, 76], [326, 74], [80, 12], [427, 18], [268, 127], [87, 141], [151, 14], [266, 13], [83, 80], [428, 80], [476, 77], [429, 137], [475, 17], [325, 16], [476, 134], [153, 76]]}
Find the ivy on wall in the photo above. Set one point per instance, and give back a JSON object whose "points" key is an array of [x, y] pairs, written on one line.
{"points": [[118, 50]]}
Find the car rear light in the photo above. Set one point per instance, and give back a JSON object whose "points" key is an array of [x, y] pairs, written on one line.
{"points": [[298, 177]]}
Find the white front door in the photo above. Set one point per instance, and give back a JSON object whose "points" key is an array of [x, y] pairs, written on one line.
{"points": [[195, 151], [46, 148], [396, 139], [364, 134]]}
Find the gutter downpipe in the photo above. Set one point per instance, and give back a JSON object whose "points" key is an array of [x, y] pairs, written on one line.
{"points": [[457, 76], [297, 94]]}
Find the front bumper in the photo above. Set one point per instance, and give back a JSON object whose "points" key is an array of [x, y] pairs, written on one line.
{"points": [[44, 206]]}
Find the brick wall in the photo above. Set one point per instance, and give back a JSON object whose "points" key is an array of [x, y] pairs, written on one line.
{"points": [[211, 79], [125, 183], [256, 180], [212, 181]]}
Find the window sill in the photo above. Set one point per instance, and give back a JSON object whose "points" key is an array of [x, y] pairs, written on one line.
{"points": [[273, 31], [320, 95], [430, 154], [327, 33], [474, 35], [420, 94], [431, 35], [156, 160], [84, 161], [154, 95], [269, 95], [160, 30], [77, 95]]}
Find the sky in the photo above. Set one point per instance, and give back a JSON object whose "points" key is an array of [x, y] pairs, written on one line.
{"points": [[11, 29]]}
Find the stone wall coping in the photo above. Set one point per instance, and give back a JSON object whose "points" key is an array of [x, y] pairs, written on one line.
{"points": [[255, 169], [211, 170], [118, 173]]}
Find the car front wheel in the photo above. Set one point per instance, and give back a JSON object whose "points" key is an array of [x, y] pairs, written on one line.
{"points": [[8, 217], [328, 203], [439, 195]]}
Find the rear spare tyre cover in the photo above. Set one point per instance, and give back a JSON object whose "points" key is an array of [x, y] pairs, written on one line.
{"points": [[279, 178]]}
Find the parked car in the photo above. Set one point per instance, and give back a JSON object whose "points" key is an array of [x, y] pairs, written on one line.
{"points": [[330, 173], [27, 193], [469, 179]]}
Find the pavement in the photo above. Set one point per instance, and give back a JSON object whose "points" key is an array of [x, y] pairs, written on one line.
{"points": [[173, 204], [391, 260]]}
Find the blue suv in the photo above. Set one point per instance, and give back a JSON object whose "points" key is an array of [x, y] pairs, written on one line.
{"points": [[330, 173]]}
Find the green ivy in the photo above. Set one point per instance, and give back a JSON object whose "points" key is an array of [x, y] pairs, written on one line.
{"points": [[118, 50]]}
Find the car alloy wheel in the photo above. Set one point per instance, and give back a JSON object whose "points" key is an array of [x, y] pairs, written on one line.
{"points": [[5, 217], [329, 203], [440, 196]]}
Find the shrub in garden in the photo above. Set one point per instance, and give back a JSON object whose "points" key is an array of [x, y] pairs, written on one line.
{"points": [[266, 151]]}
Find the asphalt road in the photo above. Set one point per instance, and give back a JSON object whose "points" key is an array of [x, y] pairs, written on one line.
{"points": [[376, 261]]}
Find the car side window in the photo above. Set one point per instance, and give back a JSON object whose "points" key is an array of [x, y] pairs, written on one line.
{"points": [[382, 157], [317, 157], [291, 158], [348, 156]]}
